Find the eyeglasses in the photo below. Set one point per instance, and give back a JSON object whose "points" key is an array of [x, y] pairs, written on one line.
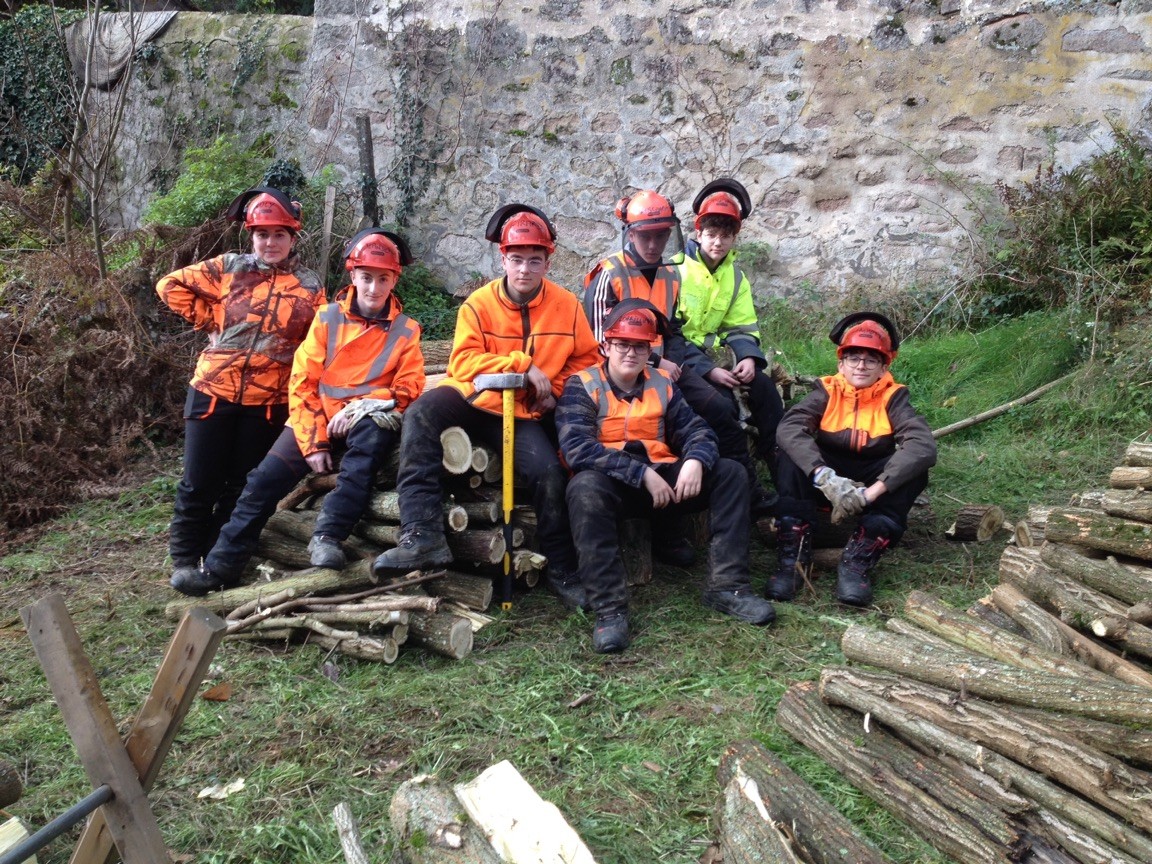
{"points": [[865, 360], [637, 349], [532, 265]]}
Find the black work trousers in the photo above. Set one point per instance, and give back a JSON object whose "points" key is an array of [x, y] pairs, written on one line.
{"points": [[597, 503], [767, 408], [887, 516], [363, 451], [718, 410], [536, 464], [223, 441]]}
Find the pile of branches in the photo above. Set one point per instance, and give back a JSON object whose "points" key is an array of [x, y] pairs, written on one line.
{"points": [[1020, 729]]}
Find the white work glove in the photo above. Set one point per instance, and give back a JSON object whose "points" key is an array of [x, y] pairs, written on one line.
{"points": [[388, 420], [845, 495]]}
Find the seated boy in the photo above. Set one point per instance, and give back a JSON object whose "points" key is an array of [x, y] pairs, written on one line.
{"points": [[520, 323], [356, 371], [716, 309], [636, 447], [857, 441]]}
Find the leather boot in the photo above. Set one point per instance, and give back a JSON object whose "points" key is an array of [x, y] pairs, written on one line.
{"points": [[417, 550], [794, 554], [853, 579], [610, 635]]}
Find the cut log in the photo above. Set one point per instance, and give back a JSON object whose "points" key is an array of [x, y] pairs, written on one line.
{"points": [[906, 628], [430, 826], [457, 450], [1039, 626], [636, 550], [937, 617], [313, 484], [748, 833], [979, 522], [1139, 453], [480, 459], [384, 506], [1140, 613], [288, 552], [1077, 604], [1102, 779], [475, 592], [10, 786], [819, 829], [1107, 533], [991, 679], [494, 472], [966, 829], [1105, 575], [377, 649], [1133, 746], [985, 610], [1132, 637], [436, 351], [298, 524], [1130, 478], [445, 634], [1087, 651], [839, 687], [482, 512], [518, 823], [1030, 529]]}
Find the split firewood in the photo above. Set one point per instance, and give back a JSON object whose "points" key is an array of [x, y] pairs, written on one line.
{"points": [[313, 484], [1106, 576], [445, 634], [909, 785], [992, 679], [1139, 453], [1096, 531], [457, 450], [1038, 625], [430, 826], [1086, 650], [969, 634], [978, 522], [349, 833], [816, 826], [477, 620], [841, 687], [1123, 477], [1102, 779]]}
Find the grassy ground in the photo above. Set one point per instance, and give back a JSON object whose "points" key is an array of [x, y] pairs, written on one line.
{"points": [[632, 766]]}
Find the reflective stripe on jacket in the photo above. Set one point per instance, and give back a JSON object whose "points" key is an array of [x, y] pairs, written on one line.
{"points": [[346, 357], [616, 278], [255, 317], [496, 334], [620, 422]]}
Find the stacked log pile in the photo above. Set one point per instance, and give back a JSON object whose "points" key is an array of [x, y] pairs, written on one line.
{"points": [[1021, 728]]}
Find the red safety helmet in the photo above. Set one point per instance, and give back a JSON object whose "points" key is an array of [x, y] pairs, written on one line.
{"points": [[520, 225], [265, 207], [638, 325], [722, 197], [868, 330], [718, 204], [646, 211], [375, 247]]}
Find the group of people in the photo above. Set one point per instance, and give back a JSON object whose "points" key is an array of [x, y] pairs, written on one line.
{"points": [[623, 409]]}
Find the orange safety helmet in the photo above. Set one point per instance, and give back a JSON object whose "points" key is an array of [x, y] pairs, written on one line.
{"points": [[722, 197], [639, 325], [520, 225], [265, 207], [375, 247], [869, 330], [646, 211]]}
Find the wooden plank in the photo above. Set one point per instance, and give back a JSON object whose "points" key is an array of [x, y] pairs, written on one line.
{"points": [[77, 691], [184, 666]]}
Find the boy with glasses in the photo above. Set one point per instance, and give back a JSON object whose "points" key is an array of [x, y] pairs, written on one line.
{"points": [[857, 441], [637, 448]]}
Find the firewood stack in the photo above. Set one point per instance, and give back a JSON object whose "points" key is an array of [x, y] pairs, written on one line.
{"points": [[1021, 729]]}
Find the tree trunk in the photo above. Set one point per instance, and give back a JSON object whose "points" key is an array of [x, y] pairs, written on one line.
{"points": [[990, 679], [475, 592], [1104, 575], [841, 687], [431, 829], [979, 522], [1091, 529], [445, 634], [1089, 652], [1139, 453], [973, 832], [1130, 478], [457, 450], [825, 835], [971, 635], [1041, 627], [748, 834], [1133, 746], [1100, 778]]}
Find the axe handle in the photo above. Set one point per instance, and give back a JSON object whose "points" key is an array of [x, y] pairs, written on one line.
{"points": [[506, 494]]}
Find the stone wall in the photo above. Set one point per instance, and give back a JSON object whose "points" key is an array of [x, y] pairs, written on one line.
{"points": [[870, 134]]}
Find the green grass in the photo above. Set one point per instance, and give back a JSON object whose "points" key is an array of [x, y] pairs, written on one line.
{"points": [[633, 768]]}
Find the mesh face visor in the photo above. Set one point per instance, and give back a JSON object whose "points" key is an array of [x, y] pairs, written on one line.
{"points": [[651, 242]]}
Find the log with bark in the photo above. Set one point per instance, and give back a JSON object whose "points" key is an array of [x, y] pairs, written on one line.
{"points": [[1096, 531], [475, 592], [1129, 504], [1123, 477], [1037, 624], [991, 679], [1141, 613], [485, 546], [431, 828], [384, 506], [845, 687], [1030, 530], [636, 550], [979, 522], [1139, 453], [310, 486], [985, 610], [349, 833], [1105, 575], [748, 832], [482, 512], [825, 836], [1133, 746], [436, 352], [907, 784], [457, 450], [449, 635]]}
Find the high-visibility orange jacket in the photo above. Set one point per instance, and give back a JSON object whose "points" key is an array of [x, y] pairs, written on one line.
{"points": [[496, 334], [618, 278], [873, 423], [255, 317], [346, 357], [620, 422]]}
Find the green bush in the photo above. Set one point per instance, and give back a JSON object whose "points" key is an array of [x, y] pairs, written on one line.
{"points": [[209, 179], [425, 299]]}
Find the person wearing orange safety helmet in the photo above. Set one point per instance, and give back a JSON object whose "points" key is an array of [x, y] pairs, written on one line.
{"points": [[857, 443], [716, 310], [646, 268], [638, 449], [355, 373], [255, 309], [520, 323]]}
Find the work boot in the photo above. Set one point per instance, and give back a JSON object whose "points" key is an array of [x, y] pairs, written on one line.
{"points": [[417, 550], [675, 551], [196, 581], [742, 603], [610, 636], [568, 587], [853, 582], [794, 554], [326, 552]]}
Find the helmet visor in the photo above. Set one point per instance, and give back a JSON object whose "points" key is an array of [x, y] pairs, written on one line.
{"points": [[654, 241]]}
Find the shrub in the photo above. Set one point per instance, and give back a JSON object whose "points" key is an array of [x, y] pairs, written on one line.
{"points": [[426, 300], [209, 179]]}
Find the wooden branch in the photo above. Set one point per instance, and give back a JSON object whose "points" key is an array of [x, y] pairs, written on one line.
{"points": [[1001, 409], [1077, 604], [1045, 630], [313, 484], [1107, 533], [1106, 576], [349, 833]]}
